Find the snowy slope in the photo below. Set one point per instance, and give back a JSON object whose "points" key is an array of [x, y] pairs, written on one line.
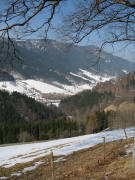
{"points": [[24, 86], [36, 88], [96, 78], [11, 155]]}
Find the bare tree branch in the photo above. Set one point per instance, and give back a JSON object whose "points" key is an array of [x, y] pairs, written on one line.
{"points": [[116, 18], [20, 14]]}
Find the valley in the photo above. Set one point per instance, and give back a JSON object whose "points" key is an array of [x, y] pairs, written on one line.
{"points": [[67, 90], [50, 91], [66, 71], [40, 107]]}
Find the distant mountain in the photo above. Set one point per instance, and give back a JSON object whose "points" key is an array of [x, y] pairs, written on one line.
{"points": [[55, 61], [69, 69]]}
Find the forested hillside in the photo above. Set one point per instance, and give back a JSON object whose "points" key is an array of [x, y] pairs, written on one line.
{"points": [[87, 107], [109, 104], [24, 119], [54, 61], [84, 100]]}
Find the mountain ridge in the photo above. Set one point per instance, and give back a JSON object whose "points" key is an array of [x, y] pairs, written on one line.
{"points": [[62, 66], [51, 59]]}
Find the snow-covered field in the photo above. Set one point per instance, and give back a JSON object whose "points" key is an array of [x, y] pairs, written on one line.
{"points": [[36, 88], [31, 88], [11, 155]]}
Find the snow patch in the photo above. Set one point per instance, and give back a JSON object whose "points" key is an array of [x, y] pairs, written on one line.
{"points": [[3, 178], [76, 75], [125, 71], [25, 170], [97, 78]]}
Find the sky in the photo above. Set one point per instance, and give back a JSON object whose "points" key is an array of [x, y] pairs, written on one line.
{"points": [[121, 49]]}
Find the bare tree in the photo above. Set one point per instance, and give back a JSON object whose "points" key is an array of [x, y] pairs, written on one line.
{"points": [[16, 21], [115, 19]]}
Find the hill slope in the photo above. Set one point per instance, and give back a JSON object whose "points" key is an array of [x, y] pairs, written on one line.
{"points": [[70, 153], [24, 119], [57, 61], [59, 66], [116, 96]]}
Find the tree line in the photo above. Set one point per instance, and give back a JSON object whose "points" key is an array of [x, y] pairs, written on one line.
{"points": [[24, 119]]}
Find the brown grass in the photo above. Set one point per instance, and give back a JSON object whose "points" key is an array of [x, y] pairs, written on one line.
{"points": [[88, 164]]}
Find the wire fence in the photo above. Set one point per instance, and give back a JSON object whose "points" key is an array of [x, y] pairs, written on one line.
{"points": [[92, 163], [82, 165]]}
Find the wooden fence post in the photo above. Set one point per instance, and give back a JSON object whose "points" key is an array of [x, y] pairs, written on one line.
{"points": [[104, 147], [125, 134], [133, 154], [52, 165], [126, 137]]}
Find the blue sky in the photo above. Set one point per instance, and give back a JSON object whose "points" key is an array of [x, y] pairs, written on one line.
{"points": [[94, 39]]}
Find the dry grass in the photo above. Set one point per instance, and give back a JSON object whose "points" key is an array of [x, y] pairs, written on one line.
{"points": [[88, 164], [19, 167]]}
